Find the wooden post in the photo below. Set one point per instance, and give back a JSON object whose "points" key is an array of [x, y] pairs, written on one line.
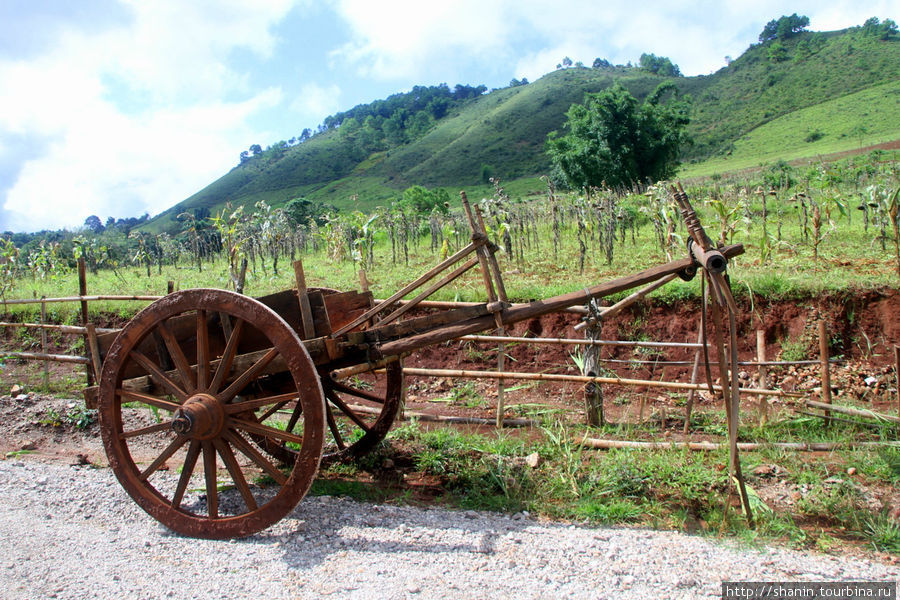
{"points": [[695, 372], [242, 277], [44, 342], [593, 393], [309, 328], [363, 281], [763, 375], [94, 350], [826, 370], [170, 287], [82, 291], [897, 375]]}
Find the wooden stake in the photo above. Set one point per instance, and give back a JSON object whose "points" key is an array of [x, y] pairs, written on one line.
{"points": [[170, 287], [763, 375], [309, 328], [826, 370], [94, 349], [82, 291]]}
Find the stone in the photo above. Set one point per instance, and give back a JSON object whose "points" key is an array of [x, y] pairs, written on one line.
{"points": [[533, 460]]}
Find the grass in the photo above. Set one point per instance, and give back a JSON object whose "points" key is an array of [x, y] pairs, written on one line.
{"points": [[865, 118]]}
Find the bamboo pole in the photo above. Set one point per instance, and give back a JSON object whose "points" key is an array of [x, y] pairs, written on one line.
{"points": [[576, 341], [856, 412], [44, 343], [603, 444], [408, 415], [81, 298], [66, 329], [674, 385], [63, 358]]}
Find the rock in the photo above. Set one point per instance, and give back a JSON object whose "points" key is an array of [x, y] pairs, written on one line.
{"points": [[533, 460], [789, 383], [851, 471], [15, 389], [28, 445], [869, 381]]}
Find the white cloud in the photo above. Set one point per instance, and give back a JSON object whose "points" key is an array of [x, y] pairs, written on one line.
{"points": [[403, 39], [183, 115], [396, 39], [315, 102]]}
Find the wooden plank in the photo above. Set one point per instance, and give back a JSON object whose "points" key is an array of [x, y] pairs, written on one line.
{"points": [[425, 323], [428, 291], [309, 328], [345, 307]]}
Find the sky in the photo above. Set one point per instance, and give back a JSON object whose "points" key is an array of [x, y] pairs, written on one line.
{"points": [[125, 107]]}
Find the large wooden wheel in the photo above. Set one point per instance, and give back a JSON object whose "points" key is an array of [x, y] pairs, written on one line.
{"points": [[359, 411], [206, 363]]}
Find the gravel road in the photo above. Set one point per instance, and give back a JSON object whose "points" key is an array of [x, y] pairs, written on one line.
{"points": [[72, 532]]}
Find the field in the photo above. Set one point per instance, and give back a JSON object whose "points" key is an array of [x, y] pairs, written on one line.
{"points": [[820, 240]]}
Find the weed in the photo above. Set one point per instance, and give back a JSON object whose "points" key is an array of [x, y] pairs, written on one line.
{"points": [[792, 349], [882, 532]]}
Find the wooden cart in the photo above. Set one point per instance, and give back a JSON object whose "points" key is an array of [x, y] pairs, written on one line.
{"points": [[251, 395]]}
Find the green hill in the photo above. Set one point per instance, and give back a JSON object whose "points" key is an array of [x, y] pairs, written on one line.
{"points": [[740, 112]]}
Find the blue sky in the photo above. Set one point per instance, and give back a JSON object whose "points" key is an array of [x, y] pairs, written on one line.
{"points": [[120, 107]]}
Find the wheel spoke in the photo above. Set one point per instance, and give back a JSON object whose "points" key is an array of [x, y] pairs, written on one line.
{"points": [[157, 374], [332, 425], [228, 355], [248, 405], [247, 376], [166, 454], [346, 389], [178, 357], [237, 476], [209, 473], [238, 441], [267, 431], [202, 350], [187, 469], [347, 410], [165, 426], [148, 399], [272, 411]]}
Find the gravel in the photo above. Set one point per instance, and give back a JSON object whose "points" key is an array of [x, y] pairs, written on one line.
{"points": [[72, 532]]}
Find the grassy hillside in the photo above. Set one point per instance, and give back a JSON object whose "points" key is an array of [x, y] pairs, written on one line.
{"points": [[868, 117], [763, 106]]}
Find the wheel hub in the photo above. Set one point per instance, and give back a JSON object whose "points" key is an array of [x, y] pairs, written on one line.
{"points": [[201, 417]]}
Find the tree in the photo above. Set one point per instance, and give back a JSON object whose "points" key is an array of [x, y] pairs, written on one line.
{"points": [[94, 223], [422, 200], [613, 139], [783, 28], [602, 63], [658, 65]]}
